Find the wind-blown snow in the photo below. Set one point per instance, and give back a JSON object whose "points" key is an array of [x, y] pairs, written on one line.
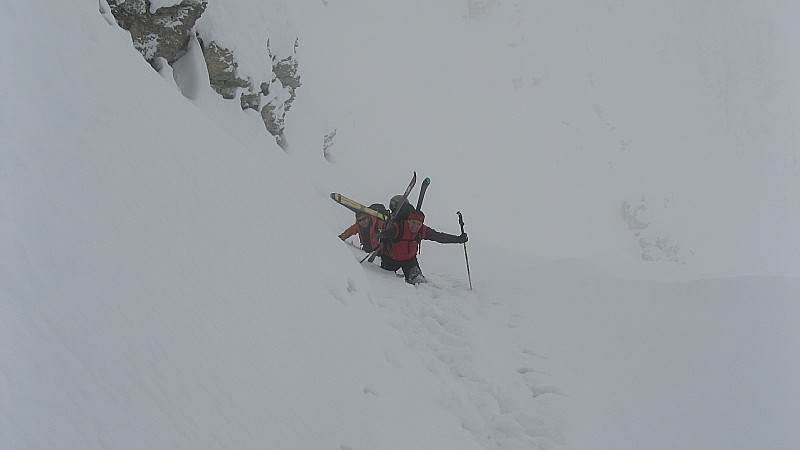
{"points": [[171, 278]]}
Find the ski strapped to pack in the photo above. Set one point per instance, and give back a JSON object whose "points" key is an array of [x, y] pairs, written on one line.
{"points": [[392, 218], [354, 206], [422, 189]]}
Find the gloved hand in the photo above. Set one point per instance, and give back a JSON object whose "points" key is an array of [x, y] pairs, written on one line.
{"points": [[462, 238]]}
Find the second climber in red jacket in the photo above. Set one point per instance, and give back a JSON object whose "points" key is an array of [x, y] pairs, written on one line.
{"points": [[367, 227]]}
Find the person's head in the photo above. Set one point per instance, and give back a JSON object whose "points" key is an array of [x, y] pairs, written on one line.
{"points": [[415, 220], [362, 219], [396, 202]]}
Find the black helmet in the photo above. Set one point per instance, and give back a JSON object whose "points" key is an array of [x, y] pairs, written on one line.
{"points": [[394, 203]]}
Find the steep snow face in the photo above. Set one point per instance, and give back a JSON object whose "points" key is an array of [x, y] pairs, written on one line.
{"points": [[674, 117], [153, 290], [550, 118], [171, 278]]}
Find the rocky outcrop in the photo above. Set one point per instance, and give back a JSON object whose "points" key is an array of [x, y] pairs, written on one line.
{"points": [[286, 71], [654, 247], [660, 249], [278, 99], [327, 145], [222, 70], [164, 33]]}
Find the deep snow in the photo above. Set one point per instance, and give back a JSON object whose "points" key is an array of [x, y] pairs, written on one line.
{"points": [[171, 278]]}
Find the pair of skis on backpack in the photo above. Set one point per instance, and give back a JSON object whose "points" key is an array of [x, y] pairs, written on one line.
{"points": [[388, 220], [356, 207]]}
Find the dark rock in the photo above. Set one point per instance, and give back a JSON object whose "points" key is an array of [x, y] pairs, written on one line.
{"points": [[222, 71], [252, 101], [164, 33]]}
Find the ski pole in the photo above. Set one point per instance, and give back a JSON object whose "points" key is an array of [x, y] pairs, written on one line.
{"points": [[461, 222]]}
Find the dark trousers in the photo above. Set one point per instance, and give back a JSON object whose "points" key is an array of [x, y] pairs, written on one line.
{"points": [[411, 270]]}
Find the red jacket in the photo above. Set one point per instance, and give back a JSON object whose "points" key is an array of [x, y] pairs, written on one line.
{"points": [[404, 245], [368, 236]]}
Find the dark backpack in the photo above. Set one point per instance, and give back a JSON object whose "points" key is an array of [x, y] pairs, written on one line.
{"points": [[380, 208]]}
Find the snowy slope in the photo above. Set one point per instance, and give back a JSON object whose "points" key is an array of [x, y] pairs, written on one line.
{"points": [[564, 113], [562, 353], [171, 278], [153, 287]]}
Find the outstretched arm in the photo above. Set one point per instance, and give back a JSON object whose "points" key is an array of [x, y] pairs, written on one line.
{"points": [[444, 238], [351, 231]]}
